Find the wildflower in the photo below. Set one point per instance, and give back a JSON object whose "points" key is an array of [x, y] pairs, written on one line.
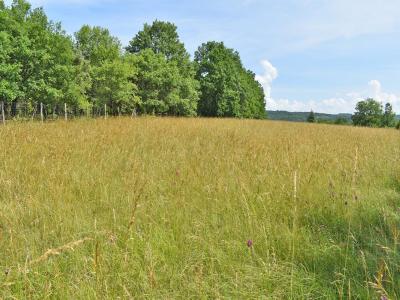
{"points": [[250, 243]]}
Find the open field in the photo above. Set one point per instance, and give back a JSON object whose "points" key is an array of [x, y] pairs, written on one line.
{"points": [[164, 208]]}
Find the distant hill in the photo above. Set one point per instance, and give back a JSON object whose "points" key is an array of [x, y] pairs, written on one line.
{"points": [[302, 116]]}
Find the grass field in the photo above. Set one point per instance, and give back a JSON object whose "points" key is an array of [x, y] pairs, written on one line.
{"points": [[194, 208]]}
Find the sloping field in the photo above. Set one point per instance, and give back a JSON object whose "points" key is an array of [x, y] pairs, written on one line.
{"points": [[196, 208]]}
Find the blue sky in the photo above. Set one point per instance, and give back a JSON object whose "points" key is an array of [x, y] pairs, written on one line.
{"points": [[323, 55]]}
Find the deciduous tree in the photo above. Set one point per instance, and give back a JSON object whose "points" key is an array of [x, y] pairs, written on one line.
{"points": [[166, 77], [389, 117], [162, 88], [227, 88], [107, 70], [368, 113]]}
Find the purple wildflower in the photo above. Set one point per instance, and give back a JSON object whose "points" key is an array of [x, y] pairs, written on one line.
{"points": [[250, 243]]}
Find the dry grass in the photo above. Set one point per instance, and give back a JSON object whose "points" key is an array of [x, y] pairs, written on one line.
{"points": [[171, 203]]}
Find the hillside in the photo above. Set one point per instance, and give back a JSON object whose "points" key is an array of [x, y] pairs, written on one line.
{"points": [[302, 116]]}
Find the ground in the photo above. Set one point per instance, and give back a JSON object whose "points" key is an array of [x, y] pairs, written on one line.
{"points": [[152, 208]]}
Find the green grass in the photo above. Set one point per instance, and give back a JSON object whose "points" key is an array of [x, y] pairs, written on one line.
{"points": [[167, 206]]}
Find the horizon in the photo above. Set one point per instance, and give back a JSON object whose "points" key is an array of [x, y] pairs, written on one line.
{"points": [[323, 56]]}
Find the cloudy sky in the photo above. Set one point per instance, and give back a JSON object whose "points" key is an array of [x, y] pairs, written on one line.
{"points": [[323, 55]]}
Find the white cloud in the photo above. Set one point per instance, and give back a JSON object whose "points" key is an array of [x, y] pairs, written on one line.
{"points": [[378, 94], [270, 74], [341, 104], [330, 105]]}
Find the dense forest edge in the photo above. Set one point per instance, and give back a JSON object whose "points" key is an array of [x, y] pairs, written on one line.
{"points": [[91, 73]]}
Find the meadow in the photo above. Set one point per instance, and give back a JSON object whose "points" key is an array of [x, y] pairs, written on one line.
{"points": [[165, 208]]}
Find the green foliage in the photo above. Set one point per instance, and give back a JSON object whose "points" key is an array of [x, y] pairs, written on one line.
{"points": [[398, 125], [39, 63], [165, 77], [337, 121], [47, 62], [112, 86], [162, 38], [368, 113], [311, 117], [162, 88], [36, 57], [106, 76], [9, 72], [341, 121], [252, 97], [227, 88], [389, 117], [96, 45]]}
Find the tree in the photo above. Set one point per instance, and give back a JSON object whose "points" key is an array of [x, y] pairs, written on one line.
{"points": [[398, 125], [9, 72], [368, 113], [112, 86], [36, 57], [96, 45], [389, 117], [105, 76], [252, 97], [311, 117], [166, 77], [40, 63], [162, 38], [161, 87], [227, 88]]}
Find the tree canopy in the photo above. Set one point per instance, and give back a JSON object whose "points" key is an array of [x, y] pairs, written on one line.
{"points": [[162, 88], [389, 117], [41, 64], [36, 57], [227, 88], [370, 113], [106, 75], [162, 38], [165, 74]]}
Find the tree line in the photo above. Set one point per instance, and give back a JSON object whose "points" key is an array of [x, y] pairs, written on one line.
{"points": [[89, 72], [371, 113], [368, 113]]}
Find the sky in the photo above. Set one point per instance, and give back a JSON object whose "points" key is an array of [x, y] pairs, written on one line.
{"points": [[321, 55]]}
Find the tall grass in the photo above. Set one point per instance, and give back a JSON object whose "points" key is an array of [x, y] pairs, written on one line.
{"points": [[164, 208]]}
